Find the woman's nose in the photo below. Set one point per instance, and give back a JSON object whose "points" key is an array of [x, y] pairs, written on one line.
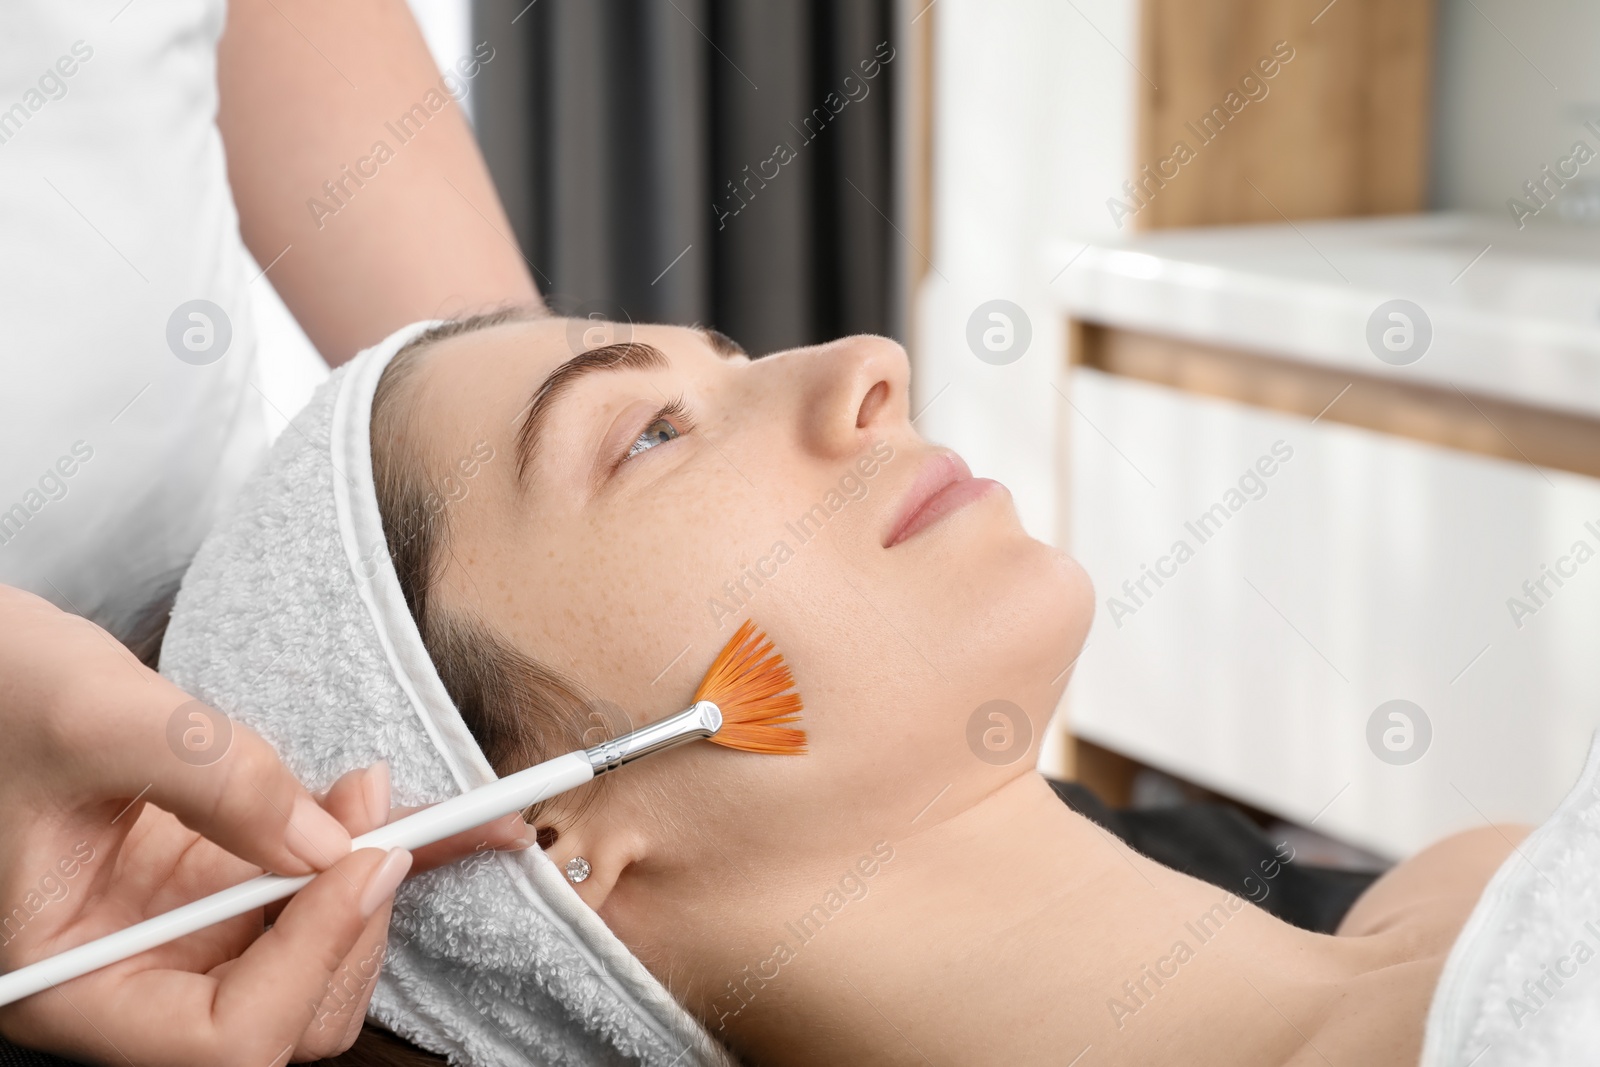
{"points": [[854, 389]]}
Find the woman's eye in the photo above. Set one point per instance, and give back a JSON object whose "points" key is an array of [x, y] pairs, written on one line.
{"points": [[658, 432]]}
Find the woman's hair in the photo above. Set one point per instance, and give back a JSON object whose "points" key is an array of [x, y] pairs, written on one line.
{"points": [[519, 711]]}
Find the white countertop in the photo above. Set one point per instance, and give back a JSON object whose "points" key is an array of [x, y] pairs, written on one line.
{"points": [[1519, 321]]}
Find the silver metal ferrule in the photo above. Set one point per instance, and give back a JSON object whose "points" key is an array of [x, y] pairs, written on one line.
{"points": [[695, 723]]}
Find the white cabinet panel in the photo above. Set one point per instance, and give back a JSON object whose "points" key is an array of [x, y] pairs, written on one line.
{"points": [[1363, 569]]}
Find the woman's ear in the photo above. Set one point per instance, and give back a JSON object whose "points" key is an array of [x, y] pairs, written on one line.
{"points": [[608, 852]]}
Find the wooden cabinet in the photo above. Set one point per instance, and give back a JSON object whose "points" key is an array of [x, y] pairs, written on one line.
{"points": [[1282, 110]]}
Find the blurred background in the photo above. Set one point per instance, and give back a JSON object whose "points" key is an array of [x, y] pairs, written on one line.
{"points": [[1282, 315]]}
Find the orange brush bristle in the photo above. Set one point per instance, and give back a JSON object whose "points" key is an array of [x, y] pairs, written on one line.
{"points": [[749, 683]]}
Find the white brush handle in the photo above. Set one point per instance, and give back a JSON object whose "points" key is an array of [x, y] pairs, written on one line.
{"points": [[474, 808]]}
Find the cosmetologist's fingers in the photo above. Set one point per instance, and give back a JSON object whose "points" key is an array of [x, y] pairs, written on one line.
{"points": [[255, 1010], [87, 723], [344, 1006], [248, 803], [505, 834], [274, 995], [360, 801], [360, 798]]}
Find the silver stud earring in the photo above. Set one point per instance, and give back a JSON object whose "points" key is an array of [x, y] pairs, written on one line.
{"points": [[577, 869]]}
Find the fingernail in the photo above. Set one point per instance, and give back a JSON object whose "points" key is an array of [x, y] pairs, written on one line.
{"points": [[382, 882], [377, 785], [518, 835], [315, 836]]}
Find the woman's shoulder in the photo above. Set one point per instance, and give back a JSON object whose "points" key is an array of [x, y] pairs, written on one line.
{"points": [[1430, 895]]}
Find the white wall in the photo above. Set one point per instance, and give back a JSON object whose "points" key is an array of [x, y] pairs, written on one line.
{"points": [[1365, 568], [1033, 117], [1516, 80]]}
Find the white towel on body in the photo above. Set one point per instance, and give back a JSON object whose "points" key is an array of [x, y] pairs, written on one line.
{"points": [[1522, 985]]}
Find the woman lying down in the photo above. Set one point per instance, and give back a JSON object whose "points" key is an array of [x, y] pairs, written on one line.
{"points": [[483, 545]]}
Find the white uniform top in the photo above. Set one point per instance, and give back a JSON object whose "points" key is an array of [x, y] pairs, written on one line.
{"points": [[115, 210]]}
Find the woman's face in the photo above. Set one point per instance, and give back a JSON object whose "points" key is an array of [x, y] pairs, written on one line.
{"points": [[665, 500]]}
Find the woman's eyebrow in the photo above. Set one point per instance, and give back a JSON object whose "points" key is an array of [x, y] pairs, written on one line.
{"points": [[632, 355], [721, 343]]}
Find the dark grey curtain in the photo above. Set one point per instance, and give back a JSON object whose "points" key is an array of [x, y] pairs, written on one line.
{"points": [[727, 162]]}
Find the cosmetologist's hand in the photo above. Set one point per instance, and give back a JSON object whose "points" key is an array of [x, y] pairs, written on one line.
{"points": [[103, 823]]}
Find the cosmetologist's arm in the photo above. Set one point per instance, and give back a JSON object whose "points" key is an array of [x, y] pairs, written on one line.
{"points": [[346, 147]]}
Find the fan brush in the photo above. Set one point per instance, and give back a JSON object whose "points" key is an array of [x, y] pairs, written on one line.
{"points": [[746, 702]]}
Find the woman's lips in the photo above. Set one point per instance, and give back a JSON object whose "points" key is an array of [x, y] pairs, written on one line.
{"points": [[945, 484]]}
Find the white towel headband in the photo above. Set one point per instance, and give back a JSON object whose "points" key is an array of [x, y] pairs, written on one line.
{"points": [[291, 620]]}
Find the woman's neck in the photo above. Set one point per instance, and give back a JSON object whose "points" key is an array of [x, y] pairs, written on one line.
{"points": [[1016, 932]]}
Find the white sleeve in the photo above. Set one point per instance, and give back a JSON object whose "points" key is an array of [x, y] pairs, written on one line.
{"points": [[128, 410]]}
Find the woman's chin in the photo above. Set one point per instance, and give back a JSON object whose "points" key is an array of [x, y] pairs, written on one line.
{"points": [[1061, 599], [1028, 619]]}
